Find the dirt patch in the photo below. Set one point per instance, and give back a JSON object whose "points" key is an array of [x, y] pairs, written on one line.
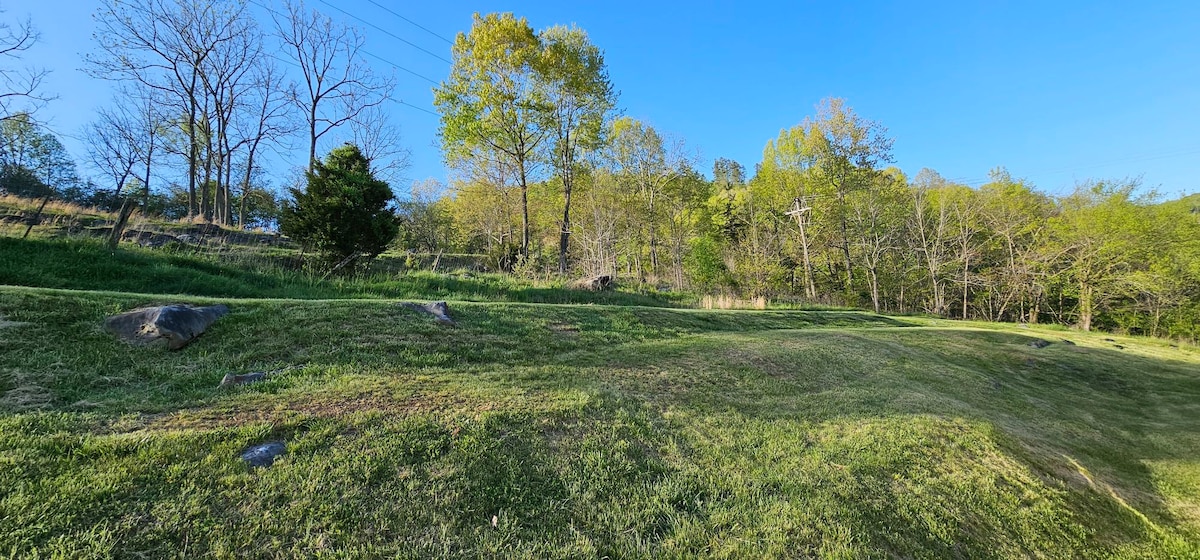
{"points": [[564, 329], [5, 323], [26, 394]]}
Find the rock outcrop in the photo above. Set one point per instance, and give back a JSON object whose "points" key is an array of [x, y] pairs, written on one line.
{"points": [[438, 309], [179, 325]]}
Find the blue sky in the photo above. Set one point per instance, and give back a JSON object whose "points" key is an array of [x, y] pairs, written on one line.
{"points": [[1057, 92]]}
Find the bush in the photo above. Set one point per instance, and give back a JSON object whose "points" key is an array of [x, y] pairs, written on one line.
{"points": [[344, 209]]}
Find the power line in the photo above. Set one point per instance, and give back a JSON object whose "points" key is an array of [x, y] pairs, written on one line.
{"points": [[389, 98], [386, 61], [1179, 152], [364, 51], [422, 109], [389, 33], [415, 24]]}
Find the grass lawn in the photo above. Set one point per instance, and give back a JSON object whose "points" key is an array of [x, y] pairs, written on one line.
{"points": [[564, 431]]}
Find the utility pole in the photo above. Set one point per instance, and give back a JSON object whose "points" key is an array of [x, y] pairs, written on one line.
{"points": [[798, 211]]}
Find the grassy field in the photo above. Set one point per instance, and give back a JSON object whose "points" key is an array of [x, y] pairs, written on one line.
{"points": [[562, 431]]}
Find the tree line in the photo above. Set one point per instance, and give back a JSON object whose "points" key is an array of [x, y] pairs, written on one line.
{"points": [[204, 90], [549, 176]]}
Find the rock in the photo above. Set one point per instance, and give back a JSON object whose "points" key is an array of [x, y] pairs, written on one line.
{"points": [[231, 379], [593, 284], [438, 309], [1118, 347], [1039, 343], [1068, 342], [150, 239], [178, 324], [264, 454], [1109, 340]]}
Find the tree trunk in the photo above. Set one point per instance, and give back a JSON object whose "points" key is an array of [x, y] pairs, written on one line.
{"points": [[564, 237], [524, 212], [114, 236], [966, 269], [1085, 306], [37, 216]]}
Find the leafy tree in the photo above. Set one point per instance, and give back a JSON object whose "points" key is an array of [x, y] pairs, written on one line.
{"points": [[579, 97], [344, 211], [1102, 234], [493, 108], [33, 161]]}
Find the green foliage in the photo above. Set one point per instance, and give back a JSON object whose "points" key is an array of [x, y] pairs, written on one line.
{"points": [[34, 162], [345, 209], [705, 265]]}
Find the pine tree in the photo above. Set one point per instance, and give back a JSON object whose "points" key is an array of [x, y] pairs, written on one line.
{"points": [[344, 209]]}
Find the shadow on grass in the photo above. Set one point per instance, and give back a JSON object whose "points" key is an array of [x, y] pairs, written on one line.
{"points": [[679, 426]]}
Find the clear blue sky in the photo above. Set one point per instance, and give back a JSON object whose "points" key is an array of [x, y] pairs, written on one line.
{"points": [[1057, 92]]}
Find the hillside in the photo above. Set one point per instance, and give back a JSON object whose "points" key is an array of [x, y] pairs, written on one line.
{"points": [[534, 430]]}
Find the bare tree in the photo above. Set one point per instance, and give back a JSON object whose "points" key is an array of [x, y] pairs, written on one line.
{"points": [[112, 145], [228, 78], [164, 45], [338, 85], [378, 138], [19, 87], [268, 123]]}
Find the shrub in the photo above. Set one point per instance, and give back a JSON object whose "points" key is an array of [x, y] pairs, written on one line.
{"points": [[344, 209]]}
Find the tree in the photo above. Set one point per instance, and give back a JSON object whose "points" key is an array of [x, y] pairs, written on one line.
{"points": [[34, 162], [846, 149], [267, 122], [338, 85], [165, 46], [1102, 233], [122, 141], [379, 139], [579, 97], [493, 110], [645, 164], [344, 211], [19, 87]]}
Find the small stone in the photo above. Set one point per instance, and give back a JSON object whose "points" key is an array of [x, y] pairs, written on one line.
{"points": [[1118, 347], [1039, 343], [1068, 342], [264, 454], [231, 379]]}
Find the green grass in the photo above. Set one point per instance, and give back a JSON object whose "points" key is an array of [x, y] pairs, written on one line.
{"points": [[84, 264], [563, 431]]}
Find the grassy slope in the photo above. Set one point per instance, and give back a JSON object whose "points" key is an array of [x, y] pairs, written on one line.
{"points": [[582, 430], [589, 431], [87, 265]]}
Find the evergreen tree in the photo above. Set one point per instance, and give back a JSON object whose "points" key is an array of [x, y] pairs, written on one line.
{"points": [[344, 211]]}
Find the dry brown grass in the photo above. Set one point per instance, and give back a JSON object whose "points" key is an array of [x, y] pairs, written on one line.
{"points": [[17, 204], [730, 302]]}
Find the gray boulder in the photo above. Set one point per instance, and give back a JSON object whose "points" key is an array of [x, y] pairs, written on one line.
{"points": [[177, 324], [438, 309]]}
